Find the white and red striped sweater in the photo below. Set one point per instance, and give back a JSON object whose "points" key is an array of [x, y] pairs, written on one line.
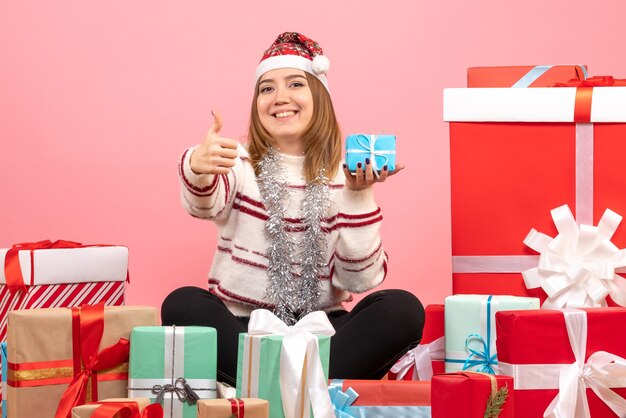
{"points": [[356, 259]]}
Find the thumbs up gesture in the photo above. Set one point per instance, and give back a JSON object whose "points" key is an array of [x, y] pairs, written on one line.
{"points": [[216, 155]]}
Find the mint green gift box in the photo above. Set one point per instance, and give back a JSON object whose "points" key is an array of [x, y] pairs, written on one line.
{"points": [[165, 359], [258, 368], [470, 329]]}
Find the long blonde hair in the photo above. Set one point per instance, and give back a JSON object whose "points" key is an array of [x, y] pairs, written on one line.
{"points": [[321, 139]]}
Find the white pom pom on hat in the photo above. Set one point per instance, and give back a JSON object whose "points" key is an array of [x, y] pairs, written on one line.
{"points": [[321, 64], [293, 50]]}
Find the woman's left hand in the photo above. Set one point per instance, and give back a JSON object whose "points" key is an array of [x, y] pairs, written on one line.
{"points": [[365, 177]]}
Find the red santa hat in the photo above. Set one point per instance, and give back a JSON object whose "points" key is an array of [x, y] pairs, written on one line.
{"points": [[293, 50]]}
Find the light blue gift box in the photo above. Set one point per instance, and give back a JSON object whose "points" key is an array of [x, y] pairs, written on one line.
{"points": [[470, 329], [380, 149], [164, 361], [3, 354]]}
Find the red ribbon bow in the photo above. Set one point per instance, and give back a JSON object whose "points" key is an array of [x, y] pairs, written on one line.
{"points": [[584, 93], [127, 410], [237, 407], [13, 269], [597, 81], [87, 330]]}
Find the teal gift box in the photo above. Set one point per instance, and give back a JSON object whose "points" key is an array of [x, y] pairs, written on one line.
{"points": [[3, 354], [258, 368], [173, 363], [380, 149], [470, 329]]}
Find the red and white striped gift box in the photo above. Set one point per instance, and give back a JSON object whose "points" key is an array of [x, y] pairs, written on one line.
{"points": [[62, 277]]}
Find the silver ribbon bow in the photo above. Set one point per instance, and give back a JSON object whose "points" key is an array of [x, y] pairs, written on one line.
{"points": [[183, 391]]}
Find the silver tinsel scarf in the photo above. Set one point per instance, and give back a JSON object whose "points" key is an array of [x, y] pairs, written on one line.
{"points": [[293, 297]]}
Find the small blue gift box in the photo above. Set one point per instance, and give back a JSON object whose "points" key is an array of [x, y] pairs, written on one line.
{"points": [[380, 149]]}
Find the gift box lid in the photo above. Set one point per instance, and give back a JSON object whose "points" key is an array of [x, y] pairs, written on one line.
{"points": [[542, 104], [71, 265], [388, 392], [524, 75]]}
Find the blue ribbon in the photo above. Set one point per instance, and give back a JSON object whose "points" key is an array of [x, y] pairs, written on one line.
{"points": [[342, 401], [484, 358]]}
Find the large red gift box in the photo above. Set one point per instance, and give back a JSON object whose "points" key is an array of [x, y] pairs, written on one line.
{"points": [[431, 346], [524, 75], [535, 347], [517, 153], [466, 394]]}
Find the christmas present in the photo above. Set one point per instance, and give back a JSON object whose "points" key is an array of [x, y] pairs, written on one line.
{"points": [[233, 408], [62, 357], [115, 408], [380, 398], [174, 366], [427, 358], [57, 274], [473, 395], [286, 365], [380, 149], [470, 329], [516, 154], [524, 75], [565, 363], [3, 355]]}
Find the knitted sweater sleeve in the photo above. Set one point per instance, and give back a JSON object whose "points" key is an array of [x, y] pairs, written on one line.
{"points": [[360, 263], [209, 196]]}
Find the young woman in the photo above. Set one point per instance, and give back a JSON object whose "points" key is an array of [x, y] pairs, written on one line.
{"points": [[296, 233]]}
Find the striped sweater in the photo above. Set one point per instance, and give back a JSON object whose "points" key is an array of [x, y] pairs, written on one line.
{"points": [[356, 259]]}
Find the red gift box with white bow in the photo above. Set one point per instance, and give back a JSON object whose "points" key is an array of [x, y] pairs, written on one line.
{"points": [[427, 358], [518, 153], [565, 363]]}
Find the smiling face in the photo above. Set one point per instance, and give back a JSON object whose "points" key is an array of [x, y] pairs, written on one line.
{"points": [[285, 107]]}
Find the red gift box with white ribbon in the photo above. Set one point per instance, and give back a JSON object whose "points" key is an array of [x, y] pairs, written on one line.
{"points": [[565, 363], [427, 358], [518, 153]]}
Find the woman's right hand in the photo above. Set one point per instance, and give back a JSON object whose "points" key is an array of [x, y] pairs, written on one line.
{"points": [[216, 155]]}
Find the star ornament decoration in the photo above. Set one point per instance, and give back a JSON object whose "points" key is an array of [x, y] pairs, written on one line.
{"points": [[577, 268]]}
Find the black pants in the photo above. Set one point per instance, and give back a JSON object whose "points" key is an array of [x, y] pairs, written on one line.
{"points": [[368, 339]]}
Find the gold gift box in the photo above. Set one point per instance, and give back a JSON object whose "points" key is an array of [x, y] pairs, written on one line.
{"points": [[85, 411], [44, 337], [222, 408]]}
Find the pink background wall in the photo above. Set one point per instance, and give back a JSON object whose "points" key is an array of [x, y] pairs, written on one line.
{"points": [[98, 100]]}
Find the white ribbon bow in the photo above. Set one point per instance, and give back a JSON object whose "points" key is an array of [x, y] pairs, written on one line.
{"points": [[302, 381], [602, 371], [422, 357], [577, 268]]}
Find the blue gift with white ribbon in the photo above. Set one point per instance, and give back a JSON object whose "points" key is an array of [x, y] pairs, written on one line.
{"points": [[343, 405], [470, 329], [380, 149]]}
